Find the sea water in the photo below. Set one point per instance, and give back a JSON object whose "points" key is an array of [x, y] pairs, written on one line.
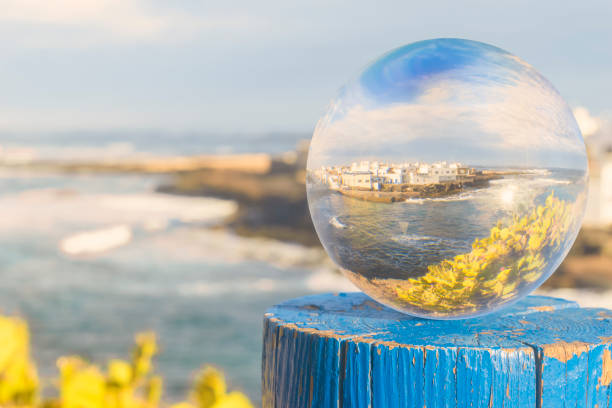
{"points": [[399, 240], [202, 290]]}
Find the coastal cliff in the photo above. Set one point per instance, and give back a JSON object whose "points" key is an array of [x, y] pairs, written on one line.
{"points": [[398, 193], [271, 204], [270, 193]]}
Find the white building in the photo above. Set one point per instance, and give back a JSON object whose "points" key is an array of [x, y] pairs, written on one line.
{"points": [[363, 165], [605, 190], [599, 203], [392, 176], [442, 172], [373, 175], [421, 178], [423, 168], [360, 179]]}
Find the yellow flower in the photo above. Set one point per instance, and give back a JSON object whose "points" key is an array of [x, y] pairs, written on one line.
{"points": [[497, 265]]}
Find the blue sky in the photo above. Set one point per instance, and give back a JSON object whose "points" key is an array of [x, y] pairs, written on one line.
{"points": [[398, 76], [454, 100], [258, 66]]}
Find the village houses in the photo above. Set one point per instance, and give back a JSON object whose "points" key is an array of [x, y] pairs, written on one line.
{"points": [[366, 175]]}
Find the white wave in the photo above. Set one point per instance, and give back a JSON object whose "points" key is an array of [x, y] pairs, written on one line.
{"points": [[155, 225], [413, 238], [187, 244], [458, 197], [526, 181], [503, 181], [536, 171], [154, 206], [97, 241], [49, 211], [321, 280], [426, 240], [551, 181], [336, 223], [326, 280], [224, 288], [58, 214]]}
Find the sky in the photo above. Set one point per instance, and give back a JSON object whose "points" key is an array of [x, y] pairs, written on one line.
{"points": [[268, 66], [453, 100]]}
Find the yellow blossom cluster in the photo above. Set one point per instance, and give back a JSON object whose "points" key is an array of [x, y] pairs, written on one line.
{"points": [[124, 384], [497, 266]]}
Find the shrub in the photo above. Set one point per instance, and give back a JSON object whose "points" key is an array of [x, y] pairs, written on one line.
{"points": [[124, 384], [497, 266]]}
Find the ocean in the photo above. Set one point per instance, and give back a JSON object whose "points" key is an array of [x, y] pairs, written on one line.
{"points": [[399, 240], [383, 245], [166, 266], [91, 260]]}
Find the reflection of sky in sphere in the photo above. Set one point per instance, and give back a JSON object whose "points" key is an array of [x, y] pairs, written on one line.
{"points": [[484, 105], [401, 74], [492, 206]]}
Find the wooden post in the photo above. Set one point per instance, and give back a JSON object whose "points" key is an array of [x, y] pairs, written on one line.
{"points": [[345, 350]]}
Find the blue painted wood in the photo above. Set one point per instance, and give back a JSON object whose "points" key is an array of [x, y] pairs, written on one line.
{"points": [[345, 350]]}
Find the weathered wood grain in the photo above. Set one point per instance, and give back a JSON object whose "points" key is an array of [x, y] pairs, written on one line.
{"points": [[345, 350]]}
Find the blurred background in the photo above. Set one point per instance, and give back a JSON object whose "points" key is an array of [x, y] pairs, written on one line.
{"points": [[152, 161]]}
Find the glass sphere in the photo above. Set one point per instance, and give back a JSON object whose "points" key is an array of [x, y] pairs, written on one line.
{"points": [[447, 179]]}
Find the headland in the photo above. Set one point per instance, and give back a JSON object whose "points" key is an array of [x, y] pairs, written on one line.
{"points": [[395, 182]]}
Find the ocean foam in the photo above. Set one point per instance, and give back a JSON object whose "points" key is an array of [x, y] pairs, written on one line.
{"points": [[153, 207], [224, 288], [93, 224], [326, 280], [320, 280], [97, 241], [336, 223], [69, 211], [457, 197], [551, 181], [201, 245], [426, 241]]}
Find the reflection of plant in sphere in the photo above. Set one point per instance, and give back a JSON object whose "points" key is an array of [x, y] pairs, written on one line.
{"points": [[432, 147], [497, 265]]}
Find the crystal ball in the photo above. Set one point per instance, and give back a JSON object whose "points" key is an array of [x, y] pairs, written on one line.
{"points": [[447, 179]]}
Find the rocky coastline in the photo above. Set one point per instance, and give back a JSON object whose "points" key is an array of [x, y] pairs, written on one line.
{"points": [[405, 192], [271, 195], [271, 204]]}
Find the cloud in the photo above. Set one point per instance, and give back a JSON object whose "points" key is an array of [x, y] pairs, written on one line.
{"points": [[119, 16], [81, 22], [521, 115]]}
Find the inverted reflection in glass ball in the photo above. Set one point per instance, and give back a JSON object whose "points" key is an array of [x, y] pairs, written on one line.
{"points": [[447, 179]]}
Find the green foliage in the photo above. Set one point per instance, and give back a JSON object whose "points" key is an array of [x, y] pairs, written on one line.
{"points": [[124, 384], [497, 266]]}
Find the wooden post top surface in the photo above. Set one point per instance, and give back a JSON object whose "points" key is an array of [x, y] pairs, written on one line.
{"points": [[346, 350]]}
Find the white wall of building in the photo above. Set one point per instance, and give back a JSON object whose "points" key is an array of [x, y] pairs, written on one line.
{"points": [[605, 192]]}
